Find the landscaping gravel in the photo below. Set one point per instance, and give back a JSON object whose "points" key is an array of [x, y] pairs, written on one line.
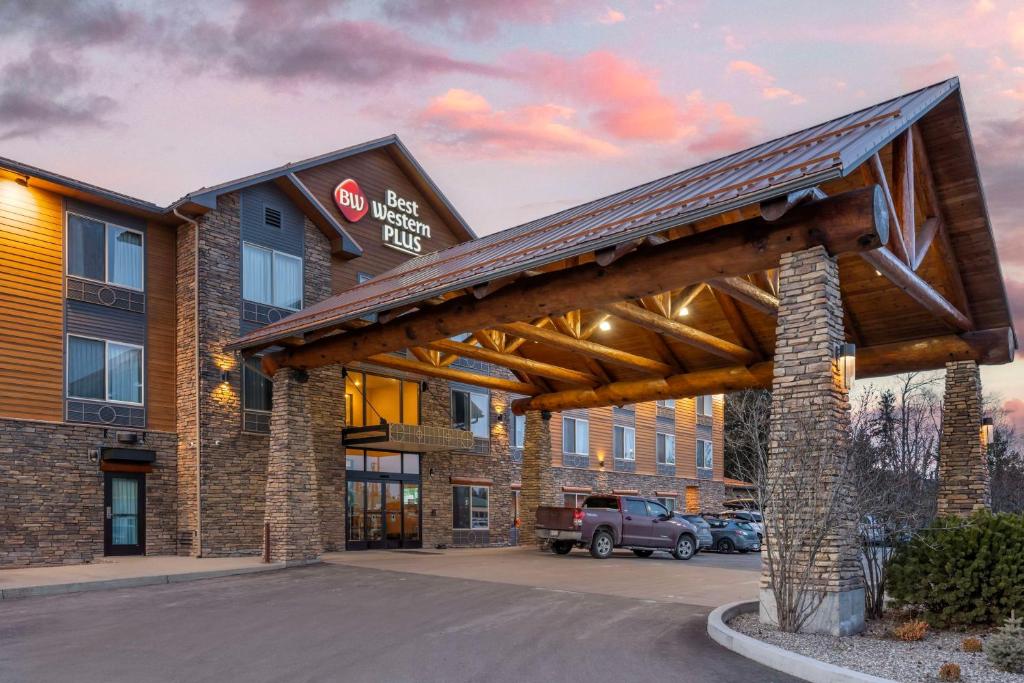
{"points": [[875, 653]]}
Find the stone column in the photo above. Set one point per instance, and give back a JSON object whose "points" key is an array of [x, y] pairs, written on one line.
{"points": [[292, 504], [537, 478], [809, 517], [963, 465]]}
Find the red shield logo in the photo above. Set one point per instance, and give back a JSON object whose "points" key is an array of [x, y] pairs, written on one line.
{"points": [[351, 200]]}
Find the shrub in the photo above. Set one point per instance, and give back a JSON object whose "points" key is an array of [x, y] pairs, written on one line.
{"points": [[971, 645], [1005, 648], [949, 672], [911, 631], [962, 572]]}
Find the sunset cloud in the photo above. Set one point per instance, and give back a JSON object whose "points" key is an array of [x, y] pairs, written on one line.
{"points": [[612, 16], [765, 80], [480, 19], [466, 121]]}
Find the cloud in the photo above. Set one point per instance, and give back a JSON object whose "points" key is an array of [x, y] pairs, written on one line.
{"points": [[466, 122], [611, 16], [1000, 146], [38, 94], [1014, 410], [931, 72], [764, 80], [479, 19], [70, 24]]}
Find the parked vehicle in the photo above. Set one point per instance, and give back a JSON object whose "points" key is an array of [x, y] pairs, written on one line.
{"points": [[604, 523], [704, 538], [751, 517], [740, 504], [731, 535]]}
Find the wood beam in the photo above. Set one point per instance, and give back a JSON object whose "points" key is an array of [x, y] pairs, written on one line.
{"points": [[903, 191], [527, 365], [684, 333], [920, 291], [423, 355], [686, 296], [850, 222], [738, 323], [987, 347], [898, 245], [774, 209], [588, 348], [748, 293], [397, 363]]}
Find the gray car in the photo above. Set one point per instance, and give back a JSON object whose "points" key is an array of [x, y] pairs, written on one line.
{"points": [[730, 535], [704, 538]]}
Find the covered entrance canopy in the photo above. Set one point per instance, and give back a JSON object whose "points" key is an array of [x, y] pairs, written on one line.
{"points": [[670, 289]]}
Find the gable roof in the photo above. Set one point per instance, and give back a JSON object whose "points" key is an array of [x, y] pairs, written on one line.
{"points": [[793, 162]]}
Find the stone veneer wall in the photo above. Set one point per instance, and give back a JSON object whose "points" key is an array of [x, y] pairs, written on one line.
{"points": [[185, 393], [51, 509], [233, 462], [963, 466]]}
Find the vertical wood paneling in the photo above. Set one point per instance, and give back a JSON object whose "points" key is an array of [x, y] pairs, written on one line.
{"points": [[646, 454], [686, 437], [31, 303], [718, 435], [555, 426], [161, 366]]}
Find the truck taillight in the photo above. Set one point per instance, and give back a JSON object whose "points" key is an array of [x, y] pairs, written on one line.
{"points": [[577, 517]]}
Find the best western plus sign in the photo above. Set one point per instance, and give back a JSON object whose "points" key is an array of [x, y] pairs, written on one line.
{"points": [[401, 228]]}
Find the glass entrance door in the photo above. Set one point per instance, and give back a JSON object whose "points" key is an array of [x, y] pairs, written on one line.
{"points": [[382, 514], [124, 523]]}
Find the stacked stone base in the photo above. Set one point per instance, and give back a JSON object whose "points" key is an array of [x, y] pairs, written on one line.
{"points": [[839, 614]]}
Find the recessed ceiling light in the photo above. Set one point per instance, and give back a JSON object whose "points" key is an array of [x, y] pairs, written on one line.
{"points": [[684, 311], [605, 325]]}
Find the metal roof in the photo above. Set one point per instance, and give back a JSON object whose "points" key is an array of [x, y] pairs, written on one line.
{"points": [[796, 161]]}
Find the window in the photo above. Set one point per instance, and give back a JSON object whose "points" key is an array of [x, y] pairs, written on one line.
{"points": [[104, 252], [635, 506], [666, 403], [624, 443], [574, 500], [470, 508], [518, 431], [271, 277], [705, 459], [666, 446], [104, 370], [471, 411], [257, 388], [657, 508], [575, 436], [704, 406], [668, 503]]}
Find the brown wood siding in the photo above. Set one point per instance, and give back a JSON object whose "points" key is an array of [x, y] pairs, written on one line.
{"points": [[718, 435], [375, 171], [600, 437], [646, 457], [686, 438], [31, 303], [161, 322], [555, 425]]}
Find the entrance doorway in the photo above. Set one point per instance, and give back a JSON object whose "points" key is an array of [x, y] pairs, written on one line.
{"points": [[124, 504], [382, 508]]}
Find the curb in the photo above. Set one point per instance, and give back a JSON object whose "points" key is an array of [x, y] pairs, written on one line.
{"points": [[135, 581], [775, 657]]}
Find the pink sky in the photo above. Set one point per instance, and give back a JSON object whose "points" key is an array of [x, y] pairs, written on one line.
{"points": [[517, 109]]}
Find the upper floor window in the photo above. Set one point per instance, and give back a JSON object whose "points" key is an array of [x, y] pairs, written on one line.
{"points": [[704, 406], [470, 411], [666, 447], [705, 454], [575, 436], [104, 370], [271, 277], [666, 403], [518, 431], [623, 443], [104, 252], [257, 388]]}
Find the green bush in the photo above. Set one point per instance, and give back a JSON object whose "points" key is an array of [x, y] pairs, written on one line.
{"points": [[963, 571], [1005, 648]]}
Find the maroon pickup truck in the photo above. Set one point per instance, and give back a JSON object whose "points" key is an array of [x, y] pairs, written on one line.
{"points": [[604, 523]]}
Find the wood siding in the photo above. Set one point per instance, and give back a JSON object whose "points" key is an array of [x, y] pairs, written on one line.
{"points": [[161, 365], [31, 303]]}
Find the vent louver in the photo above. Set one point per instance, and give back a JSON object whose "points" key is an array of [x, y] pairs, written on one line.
{"points": [[272, 217]]}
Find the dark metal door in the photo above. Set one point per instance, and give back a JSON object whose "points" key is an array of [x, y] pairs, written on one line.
{"points": [[124, 513]]}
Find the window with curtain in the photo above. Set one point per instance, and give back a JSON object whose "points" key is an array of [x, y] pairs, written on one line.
{"points": [[471, 411], [624, 443], [257, 388], [470, 508], [666, 447], [705, 456], [104, 370], [666, 403], [575, 436], [704, 406], [271, 277], [104, 252]]}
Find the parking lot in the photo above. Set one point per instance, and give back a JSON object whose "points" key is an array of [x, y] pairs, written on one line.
{"points": [[350, 619]]}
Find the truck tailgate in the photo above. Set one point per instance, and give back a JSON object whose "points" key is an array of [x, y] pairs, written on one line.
{"points": [[550, 517]]}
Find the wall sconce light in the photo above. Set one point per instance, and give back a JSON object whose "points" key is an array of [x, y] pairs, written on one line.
{"points": [[22, 180], [424, 387], [501, 415], [847, 356], [600, 461], [225, 375], [988, 431]]}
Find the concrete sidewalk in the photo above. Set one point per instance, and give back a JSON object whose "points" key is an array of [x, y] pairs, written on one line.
{"points": [[122, 572]]}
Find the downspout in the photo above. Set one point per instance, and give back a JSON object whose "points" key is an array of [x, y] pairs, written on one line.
{"points": [[198, 380]]}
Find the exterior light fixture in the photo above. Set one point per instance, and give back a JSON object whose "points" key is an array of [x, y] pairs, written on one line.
{"points": [[988, 431], [600, 460], [847, 357], [684, 311], [225, 375], [604, 325]]}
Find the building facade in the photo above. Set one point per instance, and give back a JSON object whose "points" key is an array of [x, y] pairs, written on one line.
{"points": [[125, 428]]}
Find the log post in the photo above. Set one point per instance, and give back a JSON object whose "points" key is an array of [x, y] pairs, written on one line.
{"points": [[963, 467]]}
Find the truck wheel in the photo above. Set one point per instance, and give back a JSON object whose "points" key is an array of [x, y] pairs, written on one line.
{"points": [[601, 546], [561, 547], [643, 553], [725, 546], [686, 547]]}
